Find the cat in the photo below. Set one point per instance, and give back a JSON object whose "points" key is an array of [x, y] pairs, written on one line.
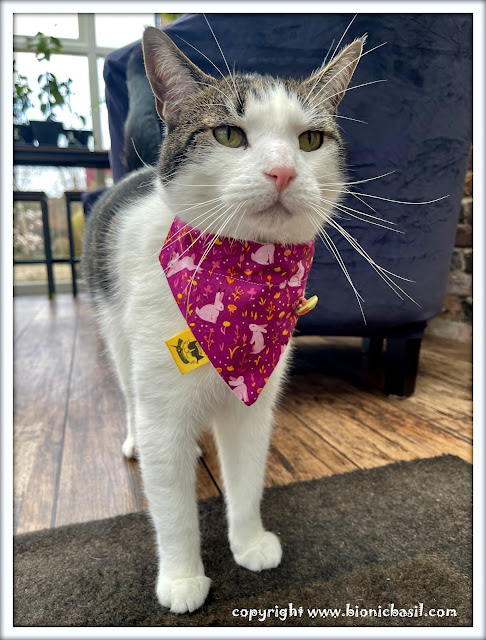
{"points": [[252, 144]]}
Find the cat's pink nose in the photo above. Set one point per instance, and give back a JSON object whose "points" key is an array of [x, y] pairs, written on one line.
{"points": [[282, 176]]}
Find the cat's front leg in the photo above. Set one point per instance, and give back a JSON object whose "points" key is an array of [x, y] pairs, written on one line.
{"points": [[168, 458], [243, 437]]}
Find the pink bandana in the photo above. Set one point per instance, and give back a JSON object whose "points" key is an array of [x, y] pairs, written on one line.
{"points": [[238, 299]]}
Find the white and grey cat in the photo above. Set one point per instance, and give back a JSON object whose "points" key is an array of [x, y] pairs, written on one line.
{"points": [[244, 156]]}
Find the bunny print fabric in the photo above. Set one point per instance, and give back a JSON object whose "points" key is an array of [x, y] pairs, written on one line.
{"points": [[238, 299]]}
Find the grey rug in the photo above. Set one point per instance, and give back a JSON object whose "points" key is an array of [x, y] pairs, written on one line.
{"points": [[399, 534]]}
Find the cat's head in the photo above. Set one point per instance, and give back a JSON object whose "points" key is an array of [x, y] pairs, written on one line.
{"points": [[249, 156]]}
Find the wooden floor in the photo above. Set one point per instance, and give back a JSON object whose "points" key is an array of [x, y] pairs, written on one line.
{"points": [[70, 418]]}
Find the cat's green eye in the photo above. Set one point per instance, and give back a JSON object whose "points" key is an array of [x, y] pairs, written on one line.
{"points": [[311, 140], [230, 136]]}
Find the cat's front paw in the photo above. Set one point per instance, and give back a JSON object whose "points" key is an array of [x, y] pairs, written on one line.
{"points": [[265, 553], [181, 595], [129, 448]]}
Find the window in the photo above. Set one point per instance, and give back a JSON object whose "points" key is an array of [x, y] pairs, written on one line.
{"points": [[118, 30], [60, 25], [86, 39], [63, 67]]}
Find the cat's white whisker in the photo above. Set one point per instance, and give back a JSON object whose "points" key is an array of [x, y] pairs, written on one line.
{"points": [[353, 119], [362, 55], [194, 206], [211, 244], [335, 251], [165, 178], [342, 37], [211, 223], [358, 86], [235, 234], [358, 296], [328, 52], [380, 270], [347, 210], [324, 235], [366, 204], [332, 222], [147, 166], [142, 185], [371, 50], [210, 61], [206, 84], [320, 73], [350, 64], [224, 214], [318, 76], [206, 252], [223, 56], [368, 195], [190, 184], [207, 216], [347, 184], [327, 240], [376, 224]]}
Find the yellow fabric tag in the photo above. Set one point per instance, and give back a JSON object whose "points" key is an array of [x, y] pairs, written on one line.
{"points": [[186, 351]]}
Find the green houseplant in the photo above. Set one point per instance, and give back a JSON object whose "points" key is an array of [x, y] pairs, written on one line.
{"points": [[21, 103], [53, 95]]}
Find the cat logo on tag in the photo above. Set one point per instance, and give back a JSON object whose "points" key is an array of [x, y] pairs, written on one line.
{"points": [[186, 351]]}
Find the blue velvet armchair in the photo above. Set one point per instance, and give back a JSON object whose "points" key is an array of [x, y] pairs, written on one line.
{"points": [[418, 127]]}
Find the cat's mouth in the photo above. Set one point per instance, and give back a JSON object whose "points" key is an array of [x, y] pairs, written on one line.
{"points": [[276, 211]]}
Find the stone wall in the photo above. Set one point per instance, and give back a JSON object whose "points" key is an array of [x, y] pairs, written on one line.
{"points": [[455, 320]]}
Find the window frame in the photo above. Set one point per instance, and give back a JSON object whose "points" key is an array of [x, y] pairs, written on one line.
{"points": [[85, 46]]}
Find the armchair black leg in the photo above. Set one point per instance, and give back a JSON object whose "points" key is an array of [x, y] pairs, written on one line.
{"points": [[401, 364], [372, 348]]}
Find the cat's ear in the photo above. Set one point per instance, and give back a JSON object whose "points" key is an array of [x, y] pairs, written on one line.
{"points": [[171, 74], [329, 84]]}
